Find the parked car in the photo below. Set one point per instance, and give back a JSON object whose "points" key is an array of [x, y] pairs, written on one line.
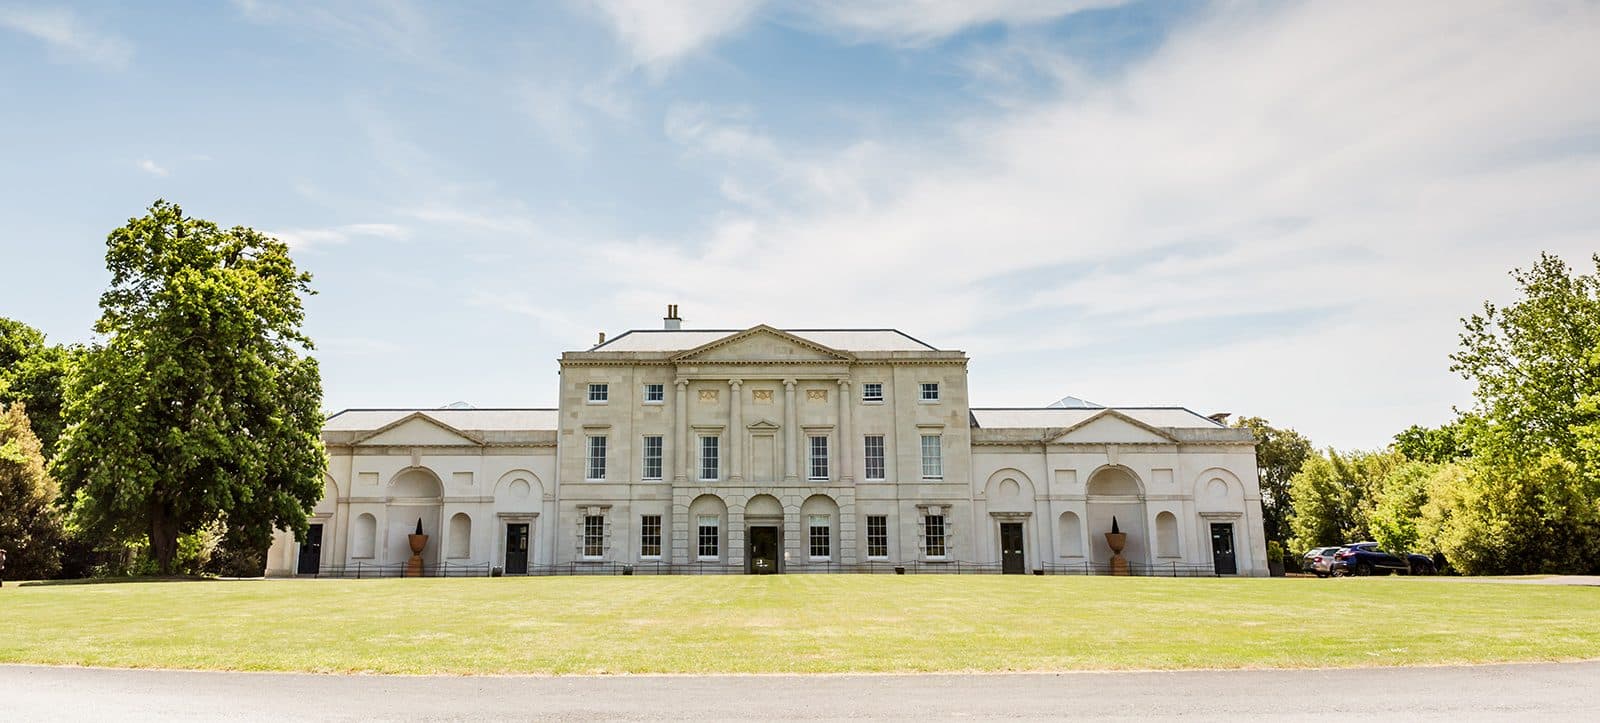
{"points": [[1364, 558], [1318, 560]]}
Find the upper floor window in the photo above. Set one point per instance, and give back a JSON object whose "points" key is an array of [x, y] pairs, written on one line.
{"points": [[599, 393], [709, 449], [932, 457], [873, 457], [655, 393], [872, 391], [597, 458], [651, 467], [930, 391], [819, 458]]}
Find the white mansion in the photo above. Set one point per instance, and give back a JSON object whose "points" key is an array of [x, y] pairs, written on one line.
{"points": [[767, 450]]}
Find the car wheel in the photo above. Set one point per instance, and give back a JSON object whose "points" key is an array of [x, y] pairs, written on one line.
{"points": [[1341, 572], [1322, 574], [1363, 569]]}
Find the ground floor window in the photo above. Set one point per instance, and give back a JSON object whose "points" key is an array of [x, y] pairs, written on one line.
{"points": [[710, 547], [820, 535], [933, 533], [594, 536], [878, 536], [650, 536]]}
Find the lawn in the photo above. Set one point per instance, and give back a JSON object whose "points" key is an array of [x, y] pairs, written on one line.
{"points": [[793, 624]]}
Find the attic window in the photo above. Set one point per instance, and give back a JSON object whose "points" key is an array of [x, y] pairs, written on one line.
{"points": [[599, 393]]}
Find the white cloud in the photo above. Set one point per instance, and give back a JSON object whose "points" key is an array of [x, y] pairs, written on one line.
{"points": [[303, 238], [153, 168], [395, 26], [67, 35], [658, 34], [1282, 211], [923, 21]]}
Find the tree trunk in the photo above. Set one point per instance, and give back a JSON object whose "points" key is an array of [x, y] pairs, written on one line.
{"points": [[163, 537]]}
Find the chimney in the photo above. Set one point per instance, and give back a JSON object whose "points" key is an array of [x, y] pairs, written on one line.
{"points": [[671, 321], [602, 339]]}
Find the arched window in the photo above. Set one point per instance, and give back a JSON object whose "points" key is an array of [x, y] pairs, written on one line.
{"points": [[1071, 535], [460, 535], [1166, 535], [364, 536]]}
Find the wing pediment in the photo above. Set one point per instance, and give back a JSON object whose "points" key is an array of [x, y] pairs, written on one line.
{"points": [[418, 430], [762, 343], [1113, 427]]}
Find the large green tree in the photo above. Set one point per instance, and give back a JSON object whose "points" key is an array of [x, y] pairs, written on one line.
{"points": [[34, 373], [202, 402], [1335, 496], [30, 524], [1279, 455]]}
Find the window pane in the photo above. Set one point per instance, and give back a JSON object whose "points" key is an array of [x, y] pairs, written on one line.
{"points": [[872, 391], [650, 536], [819, 458], [594, 536], [877, 536], [597, 458], [873, 457], [935, 535], [652, 458], [820, 535], [932, 457], [655, 392], [708, 537], [599, 392], [930, 391], [708, 458]]}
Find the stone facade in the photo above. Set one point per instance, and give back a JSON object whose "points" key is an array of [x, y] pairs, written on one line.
{"points": [[772, 450]]}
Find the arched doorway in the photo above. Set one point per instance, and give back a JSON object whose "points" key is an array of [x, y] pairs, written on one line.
{"points": [[415, 494], [763, 516], [1116, 492]]}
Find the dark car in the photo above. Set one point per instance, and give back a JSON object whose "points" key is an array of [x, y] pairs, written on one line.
{"points": [[1364, 558]]}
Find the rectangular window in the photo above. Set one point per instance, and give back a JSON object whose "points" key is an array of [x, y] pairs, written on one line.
{"points": [[932, 457], [872, 391], [650, 536], [930, 391], [599, 393], [819, 458], [594, 536], [933, 531], [820, 535], [878, 537], [709, 547], [655, 393], [651, 469], [597, 458], [709, 470], [873, 447]]}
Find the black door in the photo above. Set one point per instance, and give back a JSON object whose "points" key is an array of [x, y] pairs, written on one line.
{"points": [[1011, 561], [763, 550], [1222, 548], [311, 552], [517, 548]]}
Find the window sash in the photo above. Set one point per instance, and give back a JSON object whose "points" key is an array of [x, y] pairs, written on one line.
{"points": [[878, 536], [709, 538], [594, 536], [597, 458], [872, 391], [650, 536], [819, 458], [655, 392], [872, 447], [821, 536], [932, 457], [933, 535], [930, 391], [651, 467], [599, 392], [710, 469]]}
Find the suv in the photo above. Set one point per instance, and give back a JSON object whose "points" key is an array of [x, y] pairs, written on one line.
{"points": [[1364, 558], [1318, 561]]}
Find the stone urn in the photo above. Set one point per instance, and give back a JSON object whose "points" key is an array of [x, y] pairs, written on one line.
{"points": [[1116, 539], [419, 542]]}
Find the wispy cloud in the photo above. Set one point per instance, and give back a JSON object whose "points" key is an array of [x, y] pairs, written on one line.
{"points": [[304, 238], [658, 34], [923, 21], [153, 168], [394, 26], [67, 35]]}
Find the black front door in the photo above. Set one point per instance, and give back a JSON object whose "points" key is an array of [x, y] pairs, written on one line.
{"points": [[517, 548], [764, 550], [1011, 561], [311, 552], [1222, 548]]}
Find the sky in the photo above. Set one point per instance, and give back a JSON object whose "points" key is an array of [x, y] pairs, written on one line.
{"points": [[1276, 209]]}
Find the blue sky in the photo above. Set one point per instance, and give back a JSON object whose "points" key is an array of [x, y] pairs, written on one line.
{"points": [[1266, 208]]}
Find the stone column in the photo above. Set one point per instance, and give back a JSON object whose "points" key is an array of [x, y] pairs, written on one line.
{"points": [[680, 446], [791, 423], [847, 440], [735, 432]]}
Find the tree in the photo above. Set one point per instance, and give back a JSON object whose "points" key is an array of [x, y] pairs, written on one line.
{"points": [[1535, 431], [1334, 497], [1400, 496], [30, 524], [1279, 455], [202, 403], [1444, 443], [34, 373]]}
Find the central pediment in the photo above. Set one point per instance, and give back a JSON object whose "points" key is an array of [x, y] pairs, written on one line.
{"points": [[762, 344]]}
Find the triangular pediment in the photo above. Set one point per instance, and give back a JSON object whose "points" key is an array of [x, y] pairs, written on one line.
{"points": [[765, 425], [762, 343], [1113, 427], [418, 430]]}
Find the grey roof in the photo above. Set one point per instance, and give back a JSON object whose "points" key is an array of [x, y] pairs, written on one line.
{"points": [[1033, 418], [467, 420], [841, 339]]}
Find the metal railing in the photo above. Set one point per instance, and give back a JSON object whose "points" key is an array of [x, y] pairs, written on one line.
{"points": [[365, 570]]}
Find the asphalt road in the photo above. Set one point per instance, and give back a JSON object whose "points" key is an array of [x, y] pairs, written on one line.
{"points": [[1562, 691]]}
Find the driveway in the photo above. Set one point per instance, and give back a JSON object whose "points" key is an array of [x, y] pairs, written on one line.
{"points": [[1558, 691]]}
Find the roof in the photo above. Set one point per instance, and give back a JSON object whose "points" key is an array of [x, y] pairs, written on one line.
{"points": [[841, 339], [1036, 418], [470, 420]]}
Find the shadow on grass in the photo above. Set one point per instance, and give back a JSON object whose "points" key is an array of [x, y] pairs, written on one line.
{"points": [[109, 580]]}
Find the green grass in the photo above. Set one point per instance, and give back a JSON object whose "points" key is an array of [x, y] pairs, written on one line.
{"points": [[793, 624]]}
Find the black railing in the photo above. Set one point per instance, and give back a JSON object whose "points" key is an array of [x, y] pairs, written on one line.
{"points": [[1136, 569], [365, 570]]}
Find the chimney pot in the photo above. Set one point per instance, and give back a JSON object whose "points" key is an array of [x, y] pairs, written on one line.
{"points": [[671, 321], [602, 339]]}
